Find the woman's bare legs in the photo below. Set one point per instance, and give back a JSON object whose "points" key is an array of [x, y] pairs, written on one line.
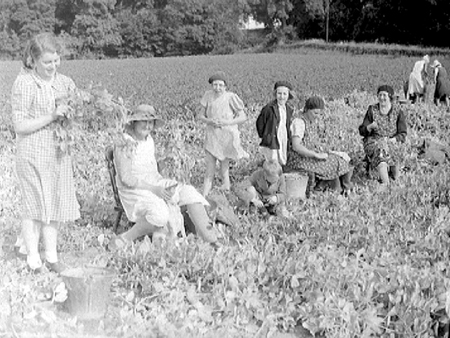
{"points": [[225, 173], [200, 218], [50, 238], [142, 228], [209, 174], [383, 171], [31, 230]]}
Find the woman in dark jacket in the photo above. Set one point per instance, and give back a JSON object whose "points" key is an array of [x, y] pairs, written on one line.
{"points": [[273, 124]]}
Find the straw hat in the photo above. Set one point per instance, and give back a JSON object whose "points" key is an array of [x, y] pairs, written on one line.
{"points": [[145, 112]]}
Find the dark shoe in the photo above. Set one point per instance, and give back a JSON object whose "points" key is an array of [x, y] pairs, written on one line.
{"points": [[394, 172], [56, 267], [321, 185]]}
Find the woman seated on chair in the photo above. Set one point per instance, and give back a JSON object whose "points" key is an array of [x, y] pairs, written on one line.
{"points": [[148, 198]]}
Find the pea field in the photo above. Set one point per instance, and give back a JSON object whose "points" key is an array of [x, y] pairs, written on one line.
{"points": [[374, 263]]}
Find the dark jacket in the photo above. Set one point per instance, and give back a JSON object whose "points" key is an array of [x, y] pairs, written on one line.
{"points": [[267, 125]]}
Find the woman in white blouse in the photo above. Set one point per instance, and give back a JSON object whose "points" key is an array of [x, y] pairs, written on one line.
{"points": [[307, 154], [146, 196]]}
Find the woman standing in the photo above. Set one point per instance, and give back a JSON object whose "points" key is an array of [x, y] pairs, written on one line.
{"points": [[442, 91], [273, 124], [383, 127], [416, 83], [44, 173], [223, 111]]}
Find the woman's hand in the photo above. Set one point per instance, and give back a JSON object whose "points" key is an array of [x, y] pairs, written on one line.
{"points": [[342, 154], [372, 126], [61, 111], [257, 202], [222, 123], [162, 192], [321, 156], [272, 199]]}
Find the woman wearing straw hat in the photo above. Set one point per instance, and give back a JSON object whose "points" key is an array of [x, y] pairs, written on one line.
{"points": [[442, 91], [144, 193]]}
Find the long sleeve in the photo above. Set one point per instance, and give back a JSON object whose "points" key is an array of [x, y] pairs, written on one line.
{"points": [[123, 167], [401, 127], [261, 121], [368, 119]]}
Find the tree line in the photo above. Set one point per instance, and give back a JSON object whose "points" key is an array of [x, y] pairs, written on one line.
{"points": [[145, 28]]}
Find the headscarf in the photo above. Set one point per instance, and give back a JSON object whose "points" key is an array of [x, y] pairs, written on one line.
{"points": [[286, 84], [386, 88], [314, 102], [218, 76]]}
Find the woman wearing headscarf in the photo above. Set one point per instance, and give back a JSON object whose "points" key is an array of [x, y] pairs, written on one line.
{"points": [[442, 91], [307, 153], [384, 126], [416, 83]]}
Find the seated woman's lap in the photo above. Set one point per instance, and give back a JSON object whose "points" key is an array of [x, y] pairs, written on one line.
{"points": [[189, 195], [375, 155], [155, 211], [329, 169]]}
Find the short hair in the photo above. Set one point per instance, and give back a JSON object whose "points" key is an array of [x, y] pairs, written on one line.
{"points": [[272, 167], [37, 46]]}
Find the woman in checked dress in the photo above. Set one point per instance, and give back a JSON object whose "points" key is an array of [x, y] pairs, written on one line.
{"points": [[44, 174]]}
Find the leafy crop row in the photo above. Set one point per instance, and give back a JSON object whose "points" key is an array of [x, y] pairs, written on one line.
{"points": [[374, 263]]}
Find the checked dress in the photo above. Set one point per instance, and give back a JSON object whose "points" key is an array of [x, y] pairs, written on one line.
{"points": [[44, 174]]}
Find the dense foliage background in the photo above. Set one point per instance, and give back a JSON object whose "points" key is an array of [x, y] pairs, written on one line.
{"points": [[125, 28]]}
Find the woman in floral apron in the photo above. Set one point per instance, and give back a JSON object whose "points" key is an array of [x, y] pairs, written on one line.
{"points": [[383, 128]]}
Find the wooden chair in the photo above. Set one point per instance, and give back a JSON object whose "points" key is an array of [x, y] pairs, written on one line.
{"points": [[109, 156]]}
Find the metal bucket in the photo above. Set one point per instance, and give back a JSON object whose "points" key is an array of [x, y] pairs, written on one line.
{"points": [[296, 184], [88, 291]]}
